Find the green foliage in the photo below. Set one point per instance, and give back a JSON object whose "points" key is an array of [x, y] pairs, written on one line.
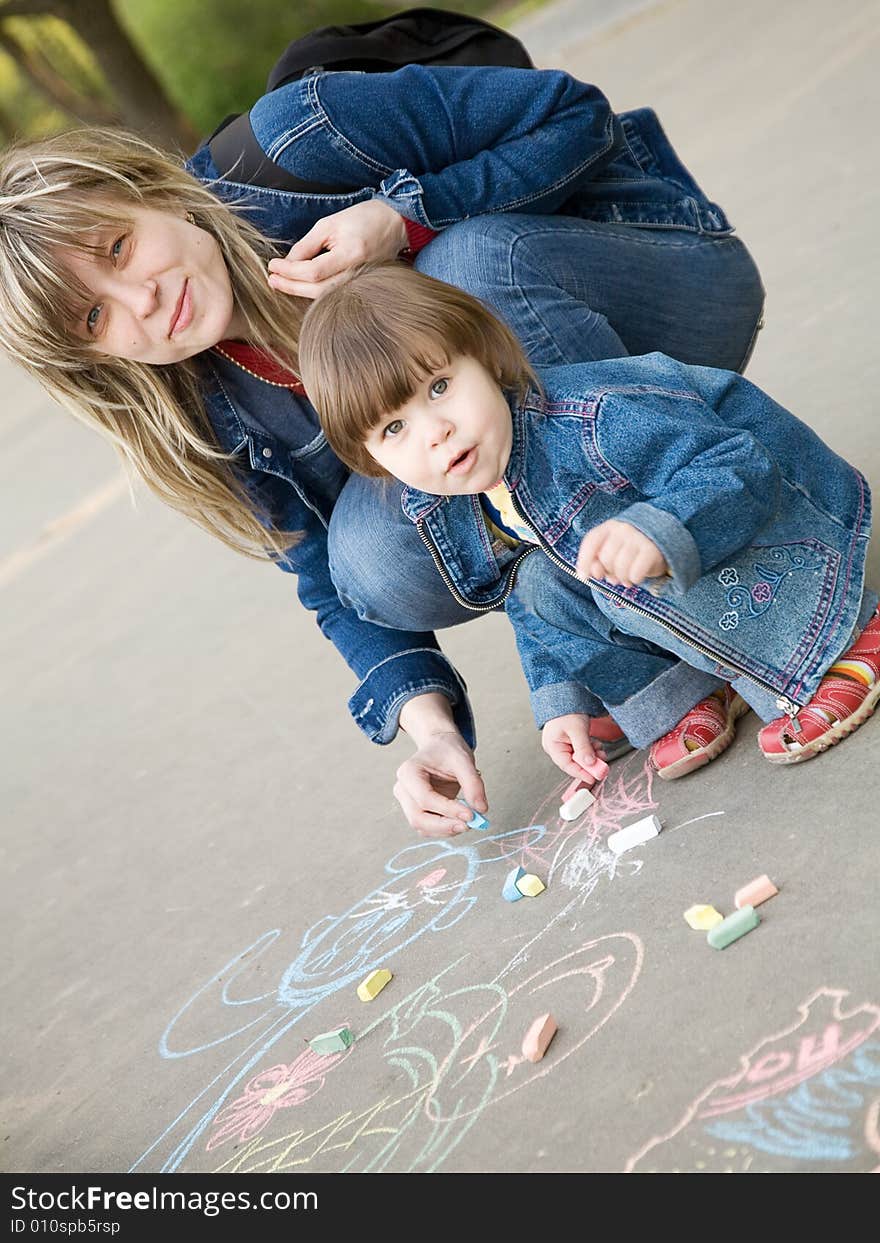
{"points": [[213, 55]]}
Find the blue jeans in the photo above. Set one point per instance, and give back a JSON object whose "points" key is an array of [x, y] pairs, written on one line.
{"points": [[572, 291]]}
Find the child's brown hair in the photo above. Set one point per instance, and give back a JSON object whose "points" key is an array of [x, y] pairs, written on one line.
{"points": [[366, 345]]}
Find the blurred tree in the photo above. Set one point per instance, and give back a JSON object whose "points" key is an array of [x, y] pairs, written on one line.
{"points": [[41, 58], [140, 98]]}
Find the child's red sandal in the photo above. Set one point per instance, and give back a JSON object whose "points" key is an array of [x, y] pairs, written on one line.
{"points": [[846, 697], [700, 736]]}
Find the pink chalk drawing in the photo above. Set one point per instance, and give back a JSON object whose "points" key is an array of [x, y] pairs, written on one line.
{"points": [[766, 1104], [279, 1087], [569, 848], [432, 879]]}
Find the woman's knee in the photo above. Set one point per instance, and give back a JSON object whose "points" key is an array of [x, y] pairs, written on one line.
{"points": [[473, 253]]}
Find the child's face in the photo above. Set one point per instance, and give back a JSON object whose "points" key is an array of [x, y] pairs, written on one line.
{"points": [[453, 437]]}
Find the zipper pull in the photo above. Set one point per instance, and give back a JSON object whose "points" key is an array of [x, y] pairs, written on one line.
{"points": [[791, 710]]}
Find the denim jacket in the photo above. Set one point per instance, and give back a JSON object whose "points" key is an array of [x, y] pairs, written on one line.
{"points": [[764, 529], [443, 143], [439, 145]]}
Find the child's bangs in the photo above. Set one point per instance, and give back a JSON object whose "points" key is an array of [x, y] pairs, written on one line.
{"points": [[384, 374]]}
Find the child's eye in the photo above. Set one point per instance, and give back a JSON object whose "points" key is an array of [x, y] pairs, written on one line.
{"points": [[439, 387], [394, 428], [93, 317]]}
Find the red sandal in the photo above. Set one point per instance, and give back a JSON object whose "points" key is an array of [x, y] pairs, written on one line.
{"points": [[846, 697], [700, 736]]}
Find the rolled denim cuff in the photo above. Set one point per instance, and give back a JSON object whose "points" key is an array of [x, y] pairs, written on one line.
{"points": [[561, 698], [672, 538], [654, 711], [377, 702], [402, 191]]}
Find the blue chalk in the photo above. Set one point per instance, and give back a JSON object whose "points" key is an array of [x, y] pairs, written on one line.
{"points": [[476, 821], [510, 891]]}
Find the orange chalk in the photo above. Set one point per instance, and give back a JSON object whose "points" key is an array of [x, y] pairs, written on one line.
{"points": [[538, 1037], [755, 892]]}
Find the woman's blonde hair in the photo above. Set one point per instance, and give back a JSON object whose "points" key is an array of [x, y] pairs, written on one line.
{"points": [[367, 345], [53, 194]]}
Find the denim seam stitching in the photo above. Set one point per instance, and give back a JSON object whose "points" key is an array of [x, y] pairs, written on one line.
{"points": [[342, 141]]}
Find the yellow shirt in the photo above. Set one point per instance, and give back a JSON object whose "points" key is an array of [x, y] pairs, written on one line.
{"points": [[503, 518]]}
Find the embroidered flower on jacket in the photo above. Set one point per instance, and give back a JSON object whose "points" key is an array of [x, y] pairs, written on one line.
{"points": [[761, 592], [728, 577], [728, 621]]}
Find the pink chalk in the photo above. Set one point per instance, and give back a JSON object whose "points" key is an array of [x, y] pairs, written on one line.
{"points": [[755, 892], [538, 1037]]}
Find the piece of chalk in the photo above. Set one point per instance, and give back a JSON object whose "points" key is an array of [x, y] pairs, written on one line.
{"points": [[332, 1042], [634, 835], [510, 891], [755, 892], [373, 984], [538, 1037], [576, 805], [476, 821], [598, 769], [530, 885], [737, 924], [703, 917]]}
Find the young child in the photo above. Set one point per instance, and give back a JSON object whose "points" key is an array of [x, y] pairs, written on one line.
{"points": [[704, 521]]}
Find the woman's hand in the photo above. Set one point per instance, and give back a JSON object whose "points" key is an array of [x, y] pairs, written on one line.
{"points": [[566, 739], [443, 764], [365, 233], [619, 553]]}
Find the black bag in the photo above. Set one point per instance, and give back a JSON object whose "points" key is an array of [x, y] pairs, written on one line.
{"points": [[416, 36]]}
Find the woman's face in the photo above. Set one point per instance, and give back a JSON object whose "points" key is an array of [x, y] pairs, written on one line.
{"points": [[160, 288]]}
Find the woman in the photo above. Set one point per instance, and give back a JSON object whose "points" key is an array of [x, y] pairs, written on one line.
{"points": [[141, 301]]}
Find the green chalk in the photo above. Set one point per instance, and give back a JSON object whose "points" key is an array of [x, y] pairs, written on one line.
{"points": [[332, 1042], [733, 927]]}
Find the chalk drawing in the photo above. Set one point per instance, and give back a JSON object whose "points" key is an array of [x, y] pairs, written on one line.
{"points": [[452, 1052], [806, 1093], [279, 1087], [241, 1022]]}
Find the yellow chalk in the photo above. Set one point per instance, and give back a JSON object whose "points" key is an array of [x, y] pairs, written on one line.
{"points": [[373, 984], [702, 917], [530, 885]]}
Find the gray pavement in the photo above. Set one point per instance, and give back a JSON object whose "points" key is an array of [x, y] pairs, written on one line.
{"points": [[202, 857]]}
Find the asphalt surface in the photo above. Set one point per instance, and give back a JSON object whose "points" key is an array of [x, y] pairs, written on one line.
{"points": [[202, 856]]}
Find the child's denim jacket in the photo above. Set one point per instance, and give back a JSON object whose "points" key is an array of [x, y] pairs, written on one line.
{"points": [[763, 527]]}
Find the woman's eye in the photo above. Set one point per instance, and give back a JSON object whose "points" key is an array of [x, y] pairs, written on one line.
{"points": [[116, 248], [393, 428], [92, 318], [439, 387]]}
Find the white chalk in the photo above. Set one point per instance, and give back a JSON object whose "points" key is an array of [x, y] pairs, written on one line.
{"points": [[576, 805], [634, 835]]}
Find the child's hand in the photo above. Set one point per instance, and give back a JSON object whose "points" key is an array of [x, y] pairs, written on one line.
{"points": [[619, 553], [566, 739]]}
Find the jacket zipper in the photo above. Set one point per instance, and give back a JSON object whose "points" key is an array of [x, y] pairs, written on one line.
{"points": [[788, 706], [441, 569]]}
